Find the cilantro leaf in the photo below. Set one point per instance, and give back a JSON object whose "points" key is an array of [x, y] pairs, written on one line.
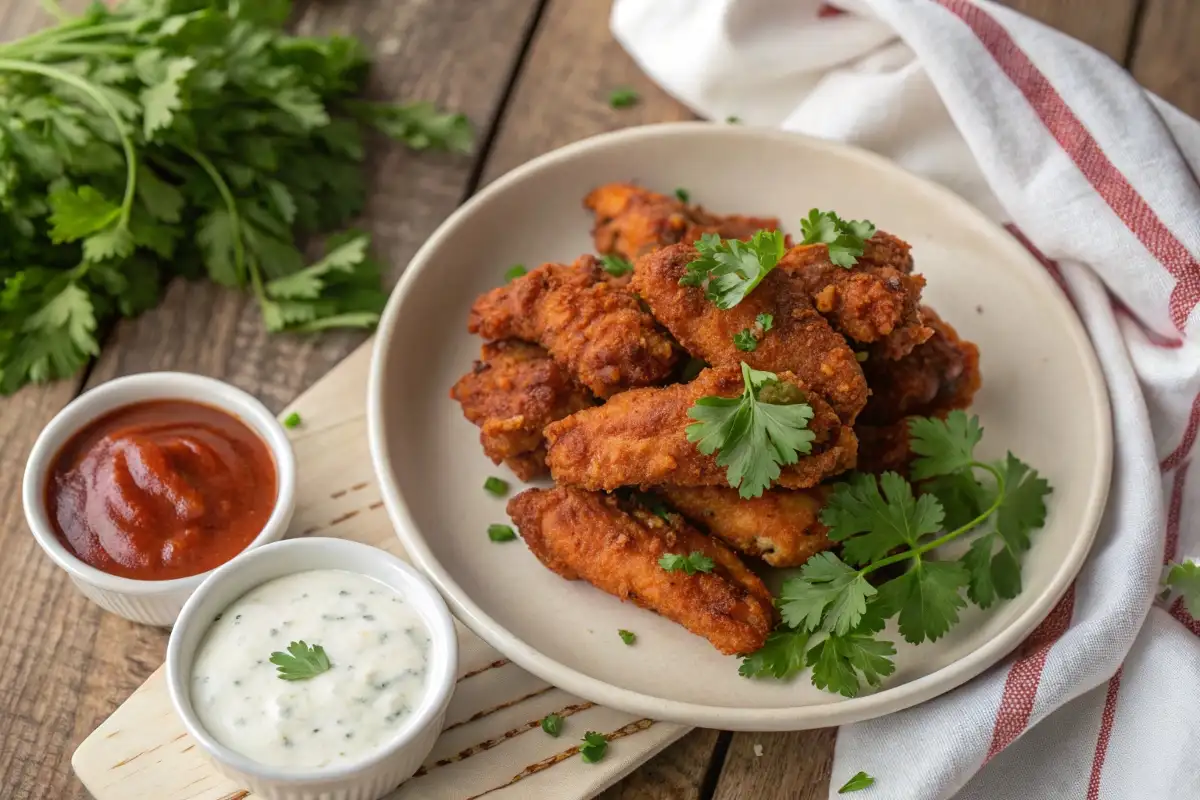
{"points": [[115, 241], [753, 437], [309, 282], [745, 340], [825, 588], [963, 498], [683, 195], [857, 782], [498, 532], [992, 573], [421, 126], [623, 97], [782, 656], [838, 661], [595, 745], [514, 272], [552, 724], [729, 269], [300, 662], [75, 213], [1185, 579], [868, 525], [292, 420], [765, 321], [845, 238], [928, 598], [1024, 505], [944, 446], [616, 266], [162, 100], [628, 637], [690, 564]]}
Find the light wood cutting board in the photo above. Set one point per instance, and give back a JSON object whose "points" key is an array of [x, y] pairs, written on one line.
{"points": [[491, 745]]}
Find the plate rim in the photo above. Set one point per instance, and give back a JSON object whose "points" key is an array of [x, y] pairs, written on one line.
{"points": [[847, 710]]}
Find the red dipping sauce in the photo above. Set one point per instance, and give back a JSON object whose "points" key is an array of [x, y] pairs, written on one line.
{"points": [[161, 489]]}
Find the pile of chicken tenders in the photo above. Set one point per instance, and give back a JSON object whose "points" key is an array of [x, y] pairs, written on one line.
{"points": [[588, 377]]}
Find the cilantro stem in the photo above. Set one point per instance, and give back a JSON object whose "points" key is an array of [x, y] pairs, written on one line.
{"points": [[77, 28], [952, 535], [235, 220], [80, 48], [88, 88]]}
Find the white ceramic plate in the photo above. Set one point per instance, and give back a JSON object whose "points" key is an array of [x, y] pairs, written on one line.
{"points": [[1043, 398]]}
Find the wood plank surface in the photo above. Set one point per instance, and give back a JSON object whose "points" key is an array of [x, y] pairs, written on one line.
{"points": [[1106, 25], [1166, 52], [66, 664]]}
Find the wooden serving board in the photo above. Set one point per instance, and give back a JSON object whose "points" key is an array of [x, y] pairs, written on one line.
{"points": [[492, 743]]}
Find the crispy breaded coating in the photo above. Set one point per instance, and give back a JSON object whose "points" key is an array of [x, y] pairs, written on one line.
{"points": [[800, 340], [638, 438], [782, 526], [589, 325], [940, 375], [514, 390], [588, 536], [632, 221], [875, 301]]}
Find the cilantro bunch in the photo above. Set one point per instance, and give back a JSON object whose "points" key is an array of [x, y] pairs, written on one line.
{"points": [[832, 613], [182, 137], [729, 269]]}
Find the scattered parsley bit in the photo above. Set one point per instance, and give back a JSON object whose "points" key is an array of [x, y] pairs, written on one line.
{"points": [[628, 637], [501, 533], [692, 563], [593, 748], [292, 420], [623, 97], [683, 195], [831, 612], [732, 120], [514, 272], [654, 504], [860, 781], [753, 434], [300, 662], [729, 269], [1185, 579], [552, 724], [691, 369], [616, 266], [496, 486], [845, 238], [765, 321], [745, 340]]}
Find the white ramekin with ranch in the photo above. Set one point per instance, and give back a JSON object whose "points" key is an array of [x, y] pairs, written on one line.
{"points": [[314, 668]]}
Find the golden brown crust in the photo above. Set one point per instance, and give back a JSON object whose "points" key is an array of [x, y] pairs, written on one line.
{"points": [[587, 536], [511, 393], [875, 301], [782, 526], [638, 438], [800, 340], [590, 325], [632, 221]]}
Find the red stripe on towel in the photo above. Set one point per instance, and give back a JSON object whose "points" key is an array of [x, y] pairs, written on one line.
{"points": [[1106, 722]]}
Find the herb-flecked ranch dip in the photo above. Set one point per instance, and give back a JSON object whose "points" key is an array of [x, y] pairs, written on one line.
{"points": [[377, 651]]}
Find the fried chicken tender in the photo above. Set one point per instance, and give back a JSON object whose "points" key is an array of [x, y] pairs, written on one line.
{"points": [[782, 526], [587, 536], [589, 325], [632, 221], [638, 438], [800, 340], [938, 377], [514, 390], [875, 301]]}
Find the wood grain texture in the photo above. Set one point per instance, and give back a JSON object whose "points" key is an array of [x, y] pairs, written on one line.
{"points": [[65, 664], [793, 766], [1166, 54], [676, 773], [1104, 24]]}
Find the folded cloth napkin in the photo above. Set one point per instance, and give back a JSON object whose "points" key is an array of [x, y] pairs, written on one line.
{"points": [[1061, 145]]}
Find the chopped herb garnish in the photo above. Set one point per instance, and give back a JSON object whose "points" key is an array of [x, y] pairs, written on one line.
{"points": [[732, 120], [300, 662], [845, 238], [514, 272], [623, 97], [616, 266], [1185, 579], [692, 563], [745, 340], [496, 486], [593, 748], [552, 724], [765, 321], [683, 195], [754, 436], [501, 533], [861, 780], [291, 420], [729, 269], [628, 637], [831, 612]]}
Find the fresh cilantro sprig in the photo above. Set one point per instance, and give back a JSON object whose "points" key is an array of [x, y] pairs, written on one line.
{"points": [[689, 564], [1185, 579], [300, 662], [160, 139], [751, 434], [857, 782], [845, 238], [831, 612], [729, 269], [594, 746]]}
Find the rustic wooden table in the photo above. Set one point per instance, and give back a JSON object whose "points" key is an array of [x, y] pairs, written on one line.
{"points": [[533, 75]]}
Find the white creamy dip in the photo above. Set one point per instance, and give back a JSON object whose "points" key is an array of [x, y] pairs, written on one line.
{"points": [[378, 648]]}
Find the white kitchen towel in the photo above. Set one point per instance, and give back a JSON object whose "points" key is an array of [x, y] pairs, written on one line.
{"points": [[1098, 177]]}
